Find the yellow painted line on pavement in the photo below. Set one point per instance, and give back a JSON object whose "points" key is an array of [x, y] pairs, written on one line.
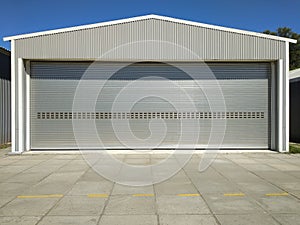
{"points": [[277, 194], [97, 195], [143, 195], [188, 195], [41, 196], [234, 194]]}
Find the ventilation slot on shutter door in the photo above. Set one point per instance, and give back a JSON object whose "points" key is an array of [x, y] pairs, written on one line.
{"points": [[147, 115]]}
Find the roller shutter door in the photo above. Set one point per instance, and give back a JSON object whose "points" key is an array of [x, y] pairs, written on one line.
{"points": [[245, 88]]}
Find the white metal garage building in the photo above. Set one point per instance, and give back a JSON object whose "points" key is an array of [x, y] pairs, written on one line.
{"points": [[250, 69]]}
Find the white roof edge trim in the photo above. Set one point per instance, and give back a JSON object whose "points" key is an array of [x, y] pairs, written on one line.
{"points": [[294, 74], [151, 16]]}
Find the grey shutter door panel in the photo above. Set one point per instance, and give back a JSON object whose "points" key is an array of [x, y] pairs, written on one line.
{"points": [[245, 88]]}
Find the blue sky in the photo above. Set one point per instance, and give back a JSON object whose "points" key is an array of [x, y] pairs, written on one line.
{"points": [[26, 16]]}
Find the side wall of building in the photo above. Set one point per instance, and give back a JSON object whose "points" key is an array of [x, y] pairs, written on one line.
{"points": [[5, 99], [295, 110]]}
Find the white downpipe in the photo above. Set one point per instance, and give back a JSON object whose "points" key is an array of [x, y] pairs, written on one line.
{"points": [[280, 105], [20, 106], [13, 98], [287, 98], [27, 105]]}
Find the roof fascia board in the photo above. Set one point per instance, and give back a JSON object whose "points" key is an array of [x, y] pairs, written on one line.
{"points": [[138, 18]]}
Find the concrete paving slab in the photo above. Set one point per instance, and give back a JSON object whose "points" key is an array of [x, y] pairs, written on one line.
{"points": [[293, 161], [296, 194], [69, 220], [8, 189], [73, 168], [280, 204], [180, 176], [128, 190], [70, 177], [56, 162], [249, 219], [287, 219], [5, 199], [269, 160], [236, 156], [28, 207], [170, 204], [73, 156], [5, 176], [221, 204], [240, 161], [295, 174], [240, 176], [187, 219], [258, 155], [259, 187], [228, 167], [167, 178], [30, 162], [128, 205], [91, 175], [41, 167], [28, 178], [290, 186], [14, 169], [216, 186], [284, 156], [91, 187], [56, 183], [78, 206], [210, 172], [275, 177], [128, 220], [21, 220], [284, 166], [192, 166], [258, 167], [168, 188], [253, 174], [7, 161]]}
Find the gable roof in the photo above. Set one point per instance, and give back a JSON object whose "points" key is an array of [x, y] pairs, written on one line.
{"points": [[151, 16]]}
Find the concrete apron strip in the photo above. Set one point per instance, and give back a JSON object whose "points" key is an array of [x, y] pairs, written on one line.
{"points": [[41, 196], [97, 195], [188, 195], [234, 194], [143, 152], [277, 194]]}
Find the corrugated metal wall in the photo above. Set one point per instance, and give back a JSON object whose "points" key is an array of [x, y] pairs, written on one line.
{"points": [[5, 113], [294, 110], [165, 40]]}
